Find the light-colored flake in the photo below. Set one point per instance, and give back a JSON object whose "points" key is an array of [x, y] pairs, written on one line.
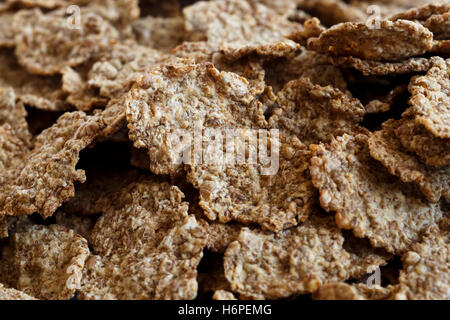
{"points": [[44, 262], [46, 43], [385, 147], [159, 33], [426, 268], [145, 234], [366, 198], [296, 261], [45, 178], [313, 113], [358, 291], [13, 294], [238, 28], [430, 99], [392, 41], [174, 100], [223, 295], [416, 138]]}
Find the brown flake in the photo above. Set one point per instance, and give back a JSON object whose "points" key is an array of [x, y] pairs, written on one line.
{"points": [[425, 274], [332, 12], [385, 147], [366, 198], [415, 138], [399, 40], [6, 31], [45, 262], [430, 99], [13, 294], [181, 97], [46, 43], [315, 114], [344, 291], [296, 261], [45, 177]]}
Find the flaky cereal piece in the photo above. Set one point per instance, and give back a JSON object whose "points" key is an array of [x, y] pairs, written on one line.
{"points": [[422, 13], [13, 294], [6, 31], [220, 235], [47, 174], [416, 138], [358, 291], [223, 295], [238, 28], [439, 25], [44, 93], [45, 262], [385, 147], [400, 40], [171, 100], [118, 68], [80, 224], [96, 194], [277, 195], [366, 198], [426, 268], [332, 12], [312, 29], [80, 95], [45, 44], [13, 116], [120, 13], [296, 261], [430, 99], [159, 33], [314, 113], [145, 234], [378, 68], [198, 51]]}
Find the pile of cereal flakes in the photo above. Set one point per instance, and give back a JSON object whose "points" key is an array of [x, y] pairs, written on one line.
{"points": [[110, 187]]}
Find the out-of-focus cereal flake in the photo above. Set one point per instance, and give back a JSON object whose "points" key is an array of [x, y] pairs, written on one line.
{"points": [[399, 40], [238, 28], [183, 98], [293, 262], [313, 113], [159, 33], [44, 262], [6, 31], [46, 43], [357, 291], [45, 178], [242, 191], [385, 147], [13, 294], [425, 274], [120, 13], [366, 198], [41, 92], [145, 234], [430, 99]]}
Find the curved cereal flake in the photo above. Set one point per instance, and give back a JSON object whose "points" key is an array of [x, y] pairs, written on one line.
{"points": [[47, 174], [46, 43], [425, 274], [415, 138], [44, 262], [296, 261], [314, 113], [358, 291], [430, 99], [439, 25], [378, 68], [239, 29], [366, 198], [399, 40], [181, 99], [422, 13], [13, 294], [277, 199], [159, 33], [41, 92], [145, 234], [385, 147], [117, 69]]}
